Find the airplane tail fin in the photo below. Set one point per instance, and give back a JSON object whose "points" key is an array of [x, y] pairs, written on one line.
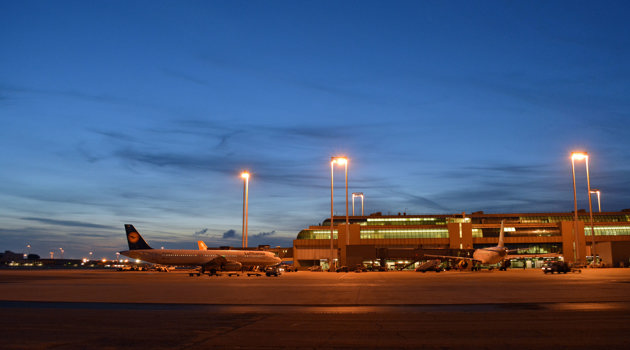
{"points": [[501, 244], [202, 245], [134, 239]]}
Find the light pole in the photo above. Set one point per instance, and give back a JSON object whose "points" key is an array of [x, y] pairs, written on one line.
{"points": [[599, 202], [357, 194], [574, 156], [590, 212], [245, 176], [583, 156], [333, 161]]}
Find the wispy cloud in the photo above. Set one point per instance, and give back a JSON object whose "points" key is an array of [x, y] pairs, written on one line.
{"points": [[264, 234], [201, 233], [74, 94], [68, 223]]}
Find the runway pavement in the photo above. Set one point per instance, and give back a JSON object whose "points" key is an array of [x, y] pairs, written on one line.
{"points": [[73, 309]]}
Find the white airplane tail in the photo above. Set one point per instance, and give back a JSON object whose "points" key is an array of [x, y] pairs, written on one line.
{"points": [[501, 236]]}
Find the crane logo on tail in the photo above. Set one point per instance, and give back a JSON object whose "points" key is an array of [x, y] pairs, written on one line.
{"points": [[133, 237]]}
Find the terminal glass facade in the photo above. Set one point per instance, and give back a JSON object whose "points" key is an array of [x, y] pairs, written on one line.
{"points": [[609, 230], [404, 233], [581, 217], [316, 234]]}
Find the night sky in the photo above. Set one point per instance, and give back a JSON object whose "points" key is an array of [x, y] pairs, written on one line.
{"points": [[146, 112]]}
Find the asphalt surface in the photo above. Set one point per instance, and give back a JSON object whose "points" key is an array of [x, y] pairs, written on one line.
{"points": [[523, 309]]}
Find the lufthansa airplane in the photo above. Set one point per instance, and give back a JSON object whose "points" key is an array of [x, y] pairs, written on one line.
{"points": [[485, 256], [208, 260], [493, 255]]}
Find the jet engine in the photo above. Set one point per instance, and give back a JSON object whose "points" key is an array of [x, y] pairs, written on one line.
{"points": [[232, 266]]}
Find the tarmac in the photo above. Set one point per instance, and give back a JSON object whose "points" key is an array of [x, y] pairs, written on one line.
{"points": [[522, 309]]}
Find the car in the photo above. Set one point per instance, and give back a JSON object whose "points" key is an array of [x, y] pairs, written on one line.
{"points": [[315, 268], [289, 268], [273, 271], [556, 266]]}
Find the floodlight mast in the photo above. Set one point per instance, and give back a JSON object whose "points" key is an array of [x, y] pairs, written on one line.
{"points": [[357, 194], [582, 156], [245, 176], [338, 161]]}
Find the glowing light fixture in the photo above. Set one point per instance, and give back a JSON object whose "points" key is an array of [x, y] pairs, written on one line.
{"points": [[579, 155]]}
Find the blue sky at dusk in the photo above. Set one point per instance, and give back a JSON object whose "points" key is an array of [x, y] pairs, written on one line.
{"points": [[145, 112]]}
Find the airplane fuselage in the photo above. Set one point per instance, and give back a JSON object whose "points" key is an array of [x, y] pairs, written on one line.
{"points": [[184, 257], [491, 255]]}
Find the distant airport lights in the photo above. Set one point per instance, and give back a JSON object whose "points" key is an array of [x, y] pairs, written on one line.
{"points": [[245, 176], [339, 161], [357, 194], [583, 156]]}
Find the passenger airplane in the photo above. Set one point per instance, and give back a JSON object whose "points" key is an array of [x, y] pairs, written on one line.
{"points": [[485, 256], [493, 255], [208, 260]]}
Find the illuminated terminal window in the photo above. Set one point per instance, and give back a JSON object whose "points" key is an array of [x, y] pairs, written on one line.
{"points": [[417, 233], [581, 217], [541, 248], [316, 234], [459, 220], [609, 230], [404, 233]]}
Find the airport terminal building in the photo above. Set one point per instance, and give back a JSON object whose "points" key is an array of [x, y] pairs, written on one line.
{"points": [[401, 239]]}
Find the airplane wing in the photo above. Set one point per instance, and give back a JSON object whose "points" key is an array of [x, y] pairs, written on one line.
{"points": [[450, 257], [527, 256]]}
